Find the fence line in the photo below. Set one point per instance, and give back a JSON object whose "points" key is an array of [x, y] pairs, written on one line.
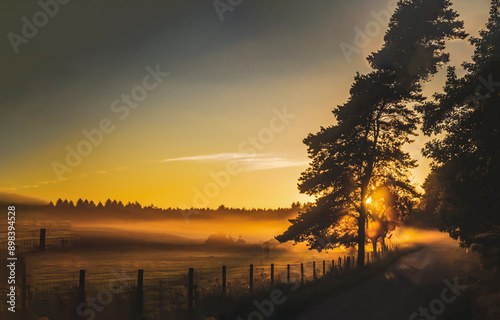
{"points": [[43, 242], [153, 297]]}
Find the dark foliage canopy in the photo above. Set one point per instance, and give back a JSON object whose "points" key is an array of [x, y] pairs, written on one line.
{"points": [[466, 157]]}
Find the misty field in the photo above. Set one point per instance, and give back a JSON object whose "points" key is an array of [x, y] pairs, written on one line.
{"points": [[112, 251], [116, 254]]}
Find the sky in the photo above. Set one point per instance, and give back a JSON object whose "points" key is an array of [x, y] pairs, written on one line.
{"points": [[179, 103]]}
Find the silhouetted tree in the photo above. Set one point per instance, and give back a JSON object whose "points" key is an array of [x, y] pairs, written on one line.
{"points": [[108, 204], [133, 206], [466, 157], [364, 149], [79, 203], [295, 205], [424, 214]]}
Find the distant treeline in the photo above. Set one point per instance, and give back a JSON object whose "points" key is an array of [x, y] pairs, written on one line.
{"points": [[114, 207]]}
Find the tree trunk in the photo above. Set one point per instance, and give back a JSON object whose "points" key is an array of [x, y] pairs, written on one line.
{"points": [[374, 243], [361, 236]]}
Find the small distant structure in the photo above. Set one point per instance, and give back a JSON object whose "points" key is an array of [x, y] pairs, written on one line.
{"points": [[267, 249]]}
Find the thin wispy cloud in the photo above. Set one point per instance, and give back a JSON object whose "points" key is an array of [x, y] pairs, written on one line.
{"points": [[48, 182], [31, 186], [212, 157], [249, 161]]}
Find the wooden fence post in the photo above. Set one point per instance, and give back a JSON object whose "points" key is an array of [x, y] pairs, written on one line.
{"points": [[333, 265], [347, 264], [288, 274], [302, 273], [272, 274], [223, 279], [324, 267], [251, 278], [314, 270], [340, 262], [160, 297], [42, 239], [81, 287], [191, 289], [140, 281]]}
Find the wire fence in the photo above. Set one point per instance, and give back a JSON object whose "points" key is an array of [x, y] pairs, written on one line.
{"points": [[143, 295], [26, 244]]}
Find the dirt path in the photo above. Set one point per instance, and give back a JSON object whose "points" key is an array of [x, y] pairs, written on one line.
{"points": [[412, 282]]}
